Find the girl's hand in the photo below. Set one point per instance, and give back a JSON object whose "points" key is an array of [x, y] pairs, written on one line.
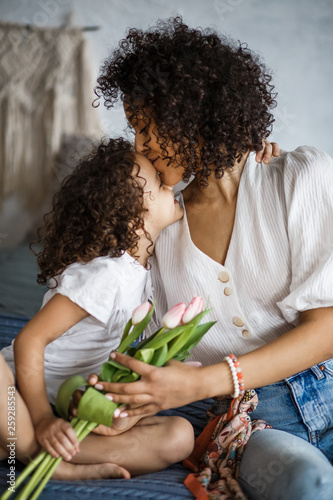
{"points": [[57, 437], [173, 385], [269, 149]]}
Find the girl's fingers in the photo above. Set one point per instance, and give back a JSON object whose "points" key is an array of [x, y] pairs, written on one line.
{"points": [[64, 447], [72, 438], [76, 397], [61, 451], [51, 450], [65, 442]]}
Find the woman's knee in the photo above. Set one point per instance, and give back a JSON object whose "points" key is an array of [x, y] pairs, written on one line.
{"points": [[299, 481], [277, 466], [306, 480]]}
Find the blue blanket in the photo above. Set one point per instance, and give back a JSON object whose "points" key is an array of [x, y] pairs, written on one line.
{"points": [[164, 485]]}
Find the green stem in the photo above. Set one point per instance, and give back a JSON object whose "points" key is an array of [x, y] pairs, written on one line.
{"points": [[46, 463], [136, 332], [89, 427], [35, 479], [79, 426], [49, 465], [52, 467], [28, 469], [82, 428], [126, 330], [74, 421]]}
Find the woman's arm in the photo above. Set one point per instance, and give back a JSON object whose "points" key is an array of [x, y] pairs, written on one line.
{"points": [[178, 384], [55, 318]]}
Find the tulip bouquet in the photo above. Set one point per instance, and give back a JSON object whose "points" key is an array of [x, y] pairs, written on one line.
{"points": [[180, 332]]}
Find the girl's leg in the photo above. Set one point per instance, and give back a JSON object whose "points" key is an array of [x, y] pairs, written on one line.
{"points": [[152, 444], [26, 445], [279, 466]]}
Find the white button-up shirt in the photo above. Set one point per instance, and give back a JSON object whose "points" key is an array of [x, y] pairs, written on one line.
{"points": [[279, 261]]}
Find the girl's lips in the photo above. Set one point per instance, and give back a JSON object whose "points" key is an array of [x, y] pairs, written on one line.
{"points": [[176, 202]]}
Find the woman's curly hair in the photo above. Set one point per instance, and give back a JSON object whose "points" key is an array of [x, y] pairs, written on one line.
{"points": [[199, 87], [95, 213]]}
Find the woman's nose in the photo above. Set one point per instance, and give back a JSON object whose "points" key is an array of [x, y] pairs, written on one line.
{"points": [[139, 143]]}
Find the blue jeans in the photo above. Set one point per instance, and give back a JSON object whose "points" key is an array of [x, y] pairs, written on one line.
{"points": [[293, 460]]}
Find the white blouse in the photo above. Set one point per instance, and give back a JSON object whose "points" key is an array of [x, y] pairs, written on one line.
{"points": [[279, 262], [108, 289]]}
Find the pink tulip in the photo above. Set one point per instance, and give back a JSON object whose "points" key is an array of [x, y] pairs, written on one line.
{"points": [[140, 312], [173, 318], [195, 307]]}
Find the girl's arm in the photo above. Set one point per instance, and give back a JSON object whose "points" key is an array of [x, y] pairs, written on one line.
{"points": [[59, 314], [178, 384]]}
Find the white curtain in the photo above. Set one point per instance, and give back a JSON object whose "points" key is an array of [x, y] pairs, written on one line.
{"points": [[46, 90]]}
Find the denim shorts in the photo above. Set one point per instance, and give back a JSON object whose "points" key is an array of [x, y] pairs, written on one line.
{"points": [[301, 405]]}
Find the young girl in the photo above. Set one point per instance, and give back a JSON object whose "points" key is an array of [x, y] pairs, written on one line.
{"points": [[97, 241]]}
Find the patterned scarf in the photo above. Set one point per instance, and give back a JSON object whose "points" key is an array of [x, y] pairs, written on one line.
{"points": [[219, 448]]}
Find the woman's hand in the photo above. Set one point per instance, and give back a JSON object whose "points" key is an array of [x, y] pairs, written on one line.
{"points": [[119, 424], [269, 149], [173, 385], [57, 437]]}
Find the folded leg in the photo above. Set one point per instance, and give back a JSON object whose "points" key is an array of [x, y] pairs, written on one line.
{"points": [[280, 466]]}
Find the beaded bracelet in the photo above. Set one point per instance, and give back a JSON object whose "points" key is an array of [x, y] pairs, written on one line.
{"points": [[236, 373], [239, 372]]}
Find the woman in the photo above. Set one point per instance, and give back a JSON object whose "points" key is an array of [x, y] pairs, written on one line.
{"points": [[251, 242]]}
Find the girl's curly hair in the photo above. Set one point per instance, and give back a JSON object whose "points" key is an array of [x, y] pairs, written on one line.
{"points": [[199, 87], [96, 211]]}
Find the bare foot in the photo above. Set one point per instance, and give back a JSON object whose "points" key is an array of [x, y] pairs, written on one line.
{"points": [[76, 472]]}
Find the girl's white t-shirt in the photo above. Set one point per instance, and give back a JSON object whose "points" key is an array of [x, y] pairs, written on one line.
{"points": [[109, 289], [279, 262]]}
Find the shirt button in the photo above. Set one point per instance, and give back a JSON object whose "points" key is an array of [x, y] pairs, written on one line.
{"points": [[227, 291], [224, 276], [246, 334], [238, 321]]}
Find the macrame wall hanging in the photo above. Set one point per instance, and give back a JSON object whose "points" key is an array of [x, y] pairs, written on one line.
{"points": [[46, 91]]}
